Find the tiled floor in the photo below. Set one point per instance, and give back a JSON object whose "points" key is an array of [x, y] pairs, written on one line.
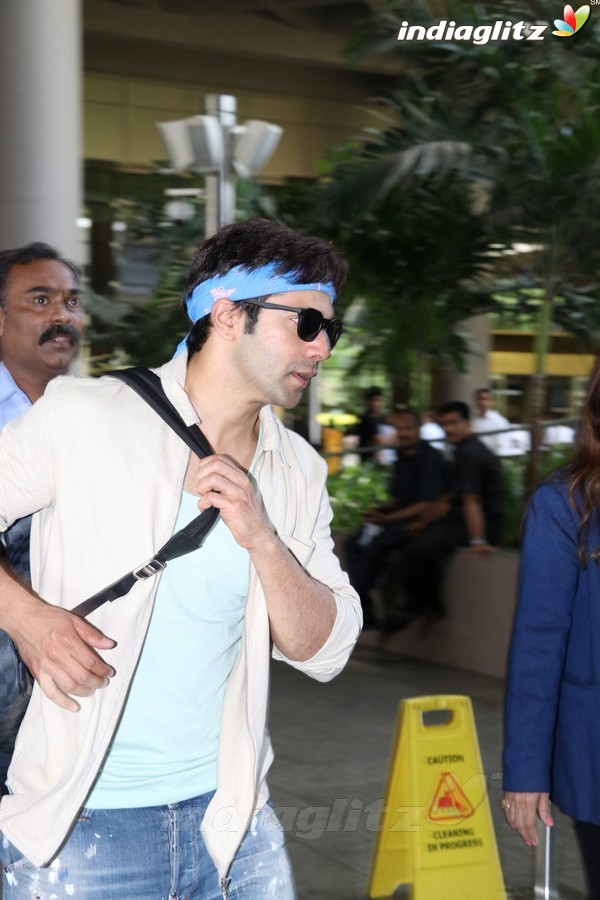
{"points": [[332, 744]]}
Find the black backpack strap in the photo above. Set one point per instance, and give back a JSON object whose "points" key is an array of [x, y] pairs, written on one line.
{"points": [[148, 385]]}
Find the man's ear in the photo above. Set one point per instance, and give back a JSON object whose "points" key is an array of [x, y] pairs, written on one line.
{"points": [[2, 315], [226, 318]]}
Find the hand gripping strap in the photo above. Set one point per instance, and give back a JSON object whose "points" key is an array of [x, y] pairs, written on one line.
{"points": [[148, 385]]}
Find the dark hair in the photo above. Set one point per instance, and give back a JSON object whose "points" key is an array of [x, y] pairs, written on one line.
{"points": [[455, 406], [255, 243], [23, 256], [583, 473], [408, 411], [372, 392], [482, 390]]}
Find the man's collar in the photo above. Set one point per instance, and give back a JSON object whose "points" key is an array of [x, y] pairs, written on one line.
{"points": [[270, 432], [172, 375], [8, 385]]}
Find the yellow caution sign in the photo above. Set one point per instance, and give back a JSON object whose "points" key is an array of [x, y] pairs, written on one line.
{"points": [[436, 834]]}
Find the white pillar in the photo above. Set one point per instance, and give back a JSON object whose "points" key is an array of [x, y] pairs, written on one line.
{"points": [[40, 118], [460, 386]]}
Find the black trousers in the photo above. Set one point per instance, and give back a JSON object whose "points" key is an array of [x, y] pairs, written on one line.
{"points": [[366, 565], [588, 837], [423, 565]]}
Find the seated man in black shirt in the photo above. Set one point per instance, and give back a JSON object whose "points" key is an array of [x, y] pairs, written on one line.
{"points": [[416, 480], [369, 422], [469, 514]]}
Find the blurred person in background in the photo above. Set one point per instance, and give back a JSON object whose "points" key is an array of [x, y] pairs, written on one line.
{"points": [[469, 513], [417, 479], [558, 435], [387, 438], [552, 725], [369, 422], [431, 430], [487, 419]]}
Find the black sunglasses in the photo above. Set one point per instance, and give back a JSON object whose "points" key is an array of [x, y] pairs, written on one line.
{"points": [[310, 321]]}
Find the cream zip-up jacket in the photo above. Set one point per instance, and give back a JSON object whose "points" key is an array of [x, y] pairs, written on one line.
{"points": [[104, 475]]}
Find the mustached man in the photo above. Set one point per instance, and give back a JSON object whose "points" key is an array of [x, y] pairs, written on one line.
{"points": [[41, 325]]}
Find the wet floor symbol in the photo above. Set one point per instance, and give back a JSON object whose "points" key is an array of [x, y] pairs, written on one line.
{"points": [[449, 801]]}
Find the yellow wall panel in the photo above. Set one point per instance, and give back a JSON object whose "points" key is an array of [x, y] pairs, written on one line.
{"points": [[150, 95], [143, 141], [570, 364], [273, 108], [340, 115], [565, 364], [103, 88], [103, 131], [291, 157]]}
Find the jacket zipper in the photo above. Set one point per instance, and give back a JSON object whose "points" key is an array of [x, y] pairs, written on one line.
{"points": [[225, 881]]}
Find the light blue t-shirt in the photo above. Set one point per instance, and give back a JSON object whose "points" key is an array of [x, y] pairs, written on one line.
{"points": [[165, 748]]}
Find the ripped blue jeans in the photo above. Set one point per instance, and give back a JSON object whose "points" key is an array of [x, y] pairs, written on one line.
{"points": [[153, 853]]}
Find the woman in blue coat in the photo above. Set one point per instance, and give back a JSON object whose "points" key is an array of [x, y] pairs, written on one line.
{"points": [[552, 719]]}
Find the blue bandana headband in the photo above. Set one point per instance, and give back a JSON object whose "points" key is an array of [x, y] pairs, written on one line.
{"points": [[245, 284]]}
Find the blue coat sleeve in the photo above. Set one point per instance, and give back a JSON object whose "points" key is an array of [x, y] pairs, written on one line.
{"points": [[548, 583]]}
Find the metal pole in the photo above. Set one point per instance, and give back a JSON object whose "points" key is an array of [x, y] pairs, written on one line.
{"points": [[538, 384], [220, 186], [314, 408], [546, 887]]}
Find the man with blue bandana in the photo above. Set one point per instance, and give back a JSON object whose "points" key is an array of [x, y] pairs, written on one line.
{"points": [[140, 766]]}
